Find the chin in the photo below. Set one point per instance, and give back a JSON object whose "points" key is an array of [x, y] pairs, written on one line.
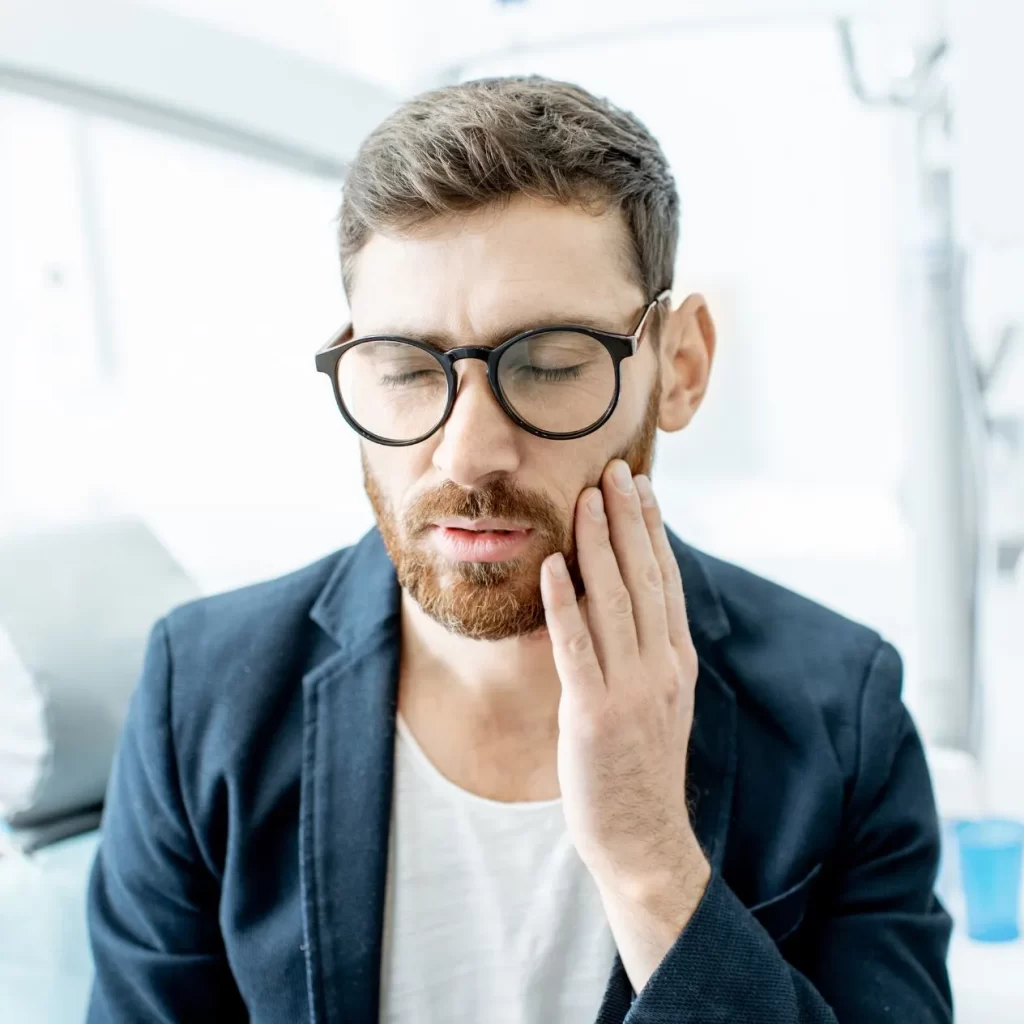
{"points": [[480, 600]]}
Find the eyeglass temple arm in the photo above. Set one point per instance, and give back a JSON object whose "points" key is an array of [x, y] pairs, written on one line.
{"points": [[638, 334]]}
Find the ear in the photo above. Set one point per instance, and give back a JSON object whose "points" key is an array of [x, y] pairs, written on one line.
{"points": [[685, 356]]}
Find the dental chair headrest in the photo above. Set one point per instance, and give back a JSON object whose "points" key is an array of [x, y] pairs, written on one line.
{"points": [[77, 604]]}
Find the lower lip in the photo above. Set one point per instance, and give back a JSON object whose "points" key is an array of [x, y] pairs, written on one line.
{"points": [[480, 546]]}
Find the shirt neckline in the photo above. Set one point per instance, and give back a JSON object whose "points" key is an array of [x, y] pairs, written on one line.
{"points": [[427, 770]]}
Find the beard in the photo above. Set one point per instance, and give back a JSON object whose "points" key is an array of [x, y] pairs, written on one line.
{"points": [[489, 600]]}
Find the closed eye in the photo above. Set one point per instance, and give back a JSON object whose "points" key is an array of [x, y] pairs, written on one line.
{"points": [[400, 380], [551, 374]]}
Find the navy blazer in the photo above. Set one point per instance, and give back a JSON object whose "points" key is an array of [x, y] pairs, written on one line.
{"points": [[241, 872]]}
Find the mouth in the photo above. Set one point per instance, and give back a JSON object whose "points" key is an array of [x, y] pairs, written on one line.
{"points": [[480, 540], [482, 525]]}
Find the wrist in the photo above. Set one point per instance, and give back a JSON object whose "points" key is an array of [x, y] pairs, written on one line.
{"points": [[668, 886]]}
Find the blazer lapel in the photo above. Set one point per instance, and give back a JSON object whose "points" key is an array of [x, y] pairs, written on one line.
{"points": [[711, 759], [347, 774]]}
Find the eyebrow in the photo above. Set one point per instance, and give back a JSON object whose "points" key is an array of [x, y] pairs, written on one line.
{"points": [[443, 340]]}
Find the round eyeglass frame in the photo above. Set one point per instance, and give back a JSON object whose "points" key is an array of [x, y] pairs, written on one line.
{"points": [[618, 346]]}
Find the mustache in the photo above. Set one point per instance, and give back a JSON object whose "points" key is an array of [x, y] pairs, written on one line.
{"points": [[500, 499]]}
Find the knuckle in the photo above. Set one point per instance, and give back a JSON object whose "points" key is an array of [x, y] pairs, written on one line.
{"points": [[672, 570], [685, 662], [672, 689], [652, 577], [620, 602], [579, 642], [652, 514], [633, 511]]}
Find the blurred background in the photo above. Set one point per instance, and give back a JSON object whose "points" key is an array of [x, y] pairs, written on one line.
{"points": [[852, 184]]}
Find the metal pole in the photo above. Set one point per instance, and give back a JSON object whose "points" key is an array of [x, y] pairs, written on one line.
{"points": [[7, 325], [944, 484], [944, 474]]}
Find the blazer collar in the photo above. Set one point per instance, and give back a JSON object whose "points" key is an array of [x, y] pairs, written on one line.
{"points": [[361, 597], [348, 762]]}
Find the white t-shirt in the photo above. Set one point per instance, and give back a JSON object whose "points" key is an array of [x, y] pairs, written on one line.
{"points": [[490, 915]]}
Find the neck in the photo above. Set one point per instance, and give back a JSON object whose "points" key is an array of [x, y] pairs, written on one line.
{"points": [[510, 683]]}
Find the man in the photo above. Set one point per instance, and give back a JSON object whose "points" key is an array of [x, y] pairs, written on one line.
{"points": [[520, 754]]}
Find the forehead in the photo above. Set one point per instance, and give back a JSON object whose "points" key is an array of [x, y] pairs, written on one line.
{"points": [[470, 273]]}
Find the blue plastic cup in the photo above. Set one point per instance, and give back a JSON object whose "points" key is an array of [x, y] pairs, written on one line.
{"points": [[990, 869]]}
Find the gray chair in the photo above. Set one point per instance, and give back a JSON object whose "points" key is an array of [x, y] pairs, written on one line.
{"points": [[76, 607]]}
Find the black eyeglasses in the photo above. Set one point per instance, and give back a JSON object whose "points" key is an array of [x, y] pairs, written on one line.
{"points": [[558, 382]]}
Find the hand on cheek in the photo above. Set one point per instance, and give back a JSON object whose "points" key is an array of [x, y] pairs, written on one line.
{"points": [[628, 674]]}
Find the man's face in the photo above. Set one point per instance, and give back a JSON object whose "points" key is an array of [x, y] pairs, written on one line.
{"points": [[443, 505]]}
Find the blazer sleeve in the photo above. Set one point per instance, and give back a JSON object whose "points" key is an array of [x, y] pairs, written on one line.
{"points": [[152, 902], [879, 951]]}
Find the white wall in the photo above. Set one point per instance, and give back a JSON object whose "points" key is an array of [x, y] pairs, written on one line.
{"points": [[308, 28], [48, 386], [222, 280]]}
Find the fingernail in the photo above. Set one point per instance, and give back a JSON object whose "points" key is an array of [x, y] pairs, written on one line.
{"points": [[557, 566], [596, 505], [622, 477], [646, 492]]}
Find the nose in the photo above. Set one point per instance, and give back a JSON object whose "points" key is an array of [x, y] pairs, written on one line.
{"points": [[478, 441]]}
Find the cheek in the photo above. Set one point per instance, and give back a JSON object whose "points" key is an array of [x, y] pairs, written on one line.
{"points": [[395, 473], [639, 390], [639, 374], [569, 466], [583, 462]]}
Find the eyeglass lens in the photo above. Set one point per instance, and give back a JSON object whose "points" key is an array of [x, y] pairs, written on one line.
{"points": [[559, 382]]}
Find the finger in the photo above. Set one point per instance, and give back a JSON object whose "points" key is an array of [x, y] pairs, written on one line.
{"points": [[609, 605], [675, 599], [575, 657], [634, 553]]}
